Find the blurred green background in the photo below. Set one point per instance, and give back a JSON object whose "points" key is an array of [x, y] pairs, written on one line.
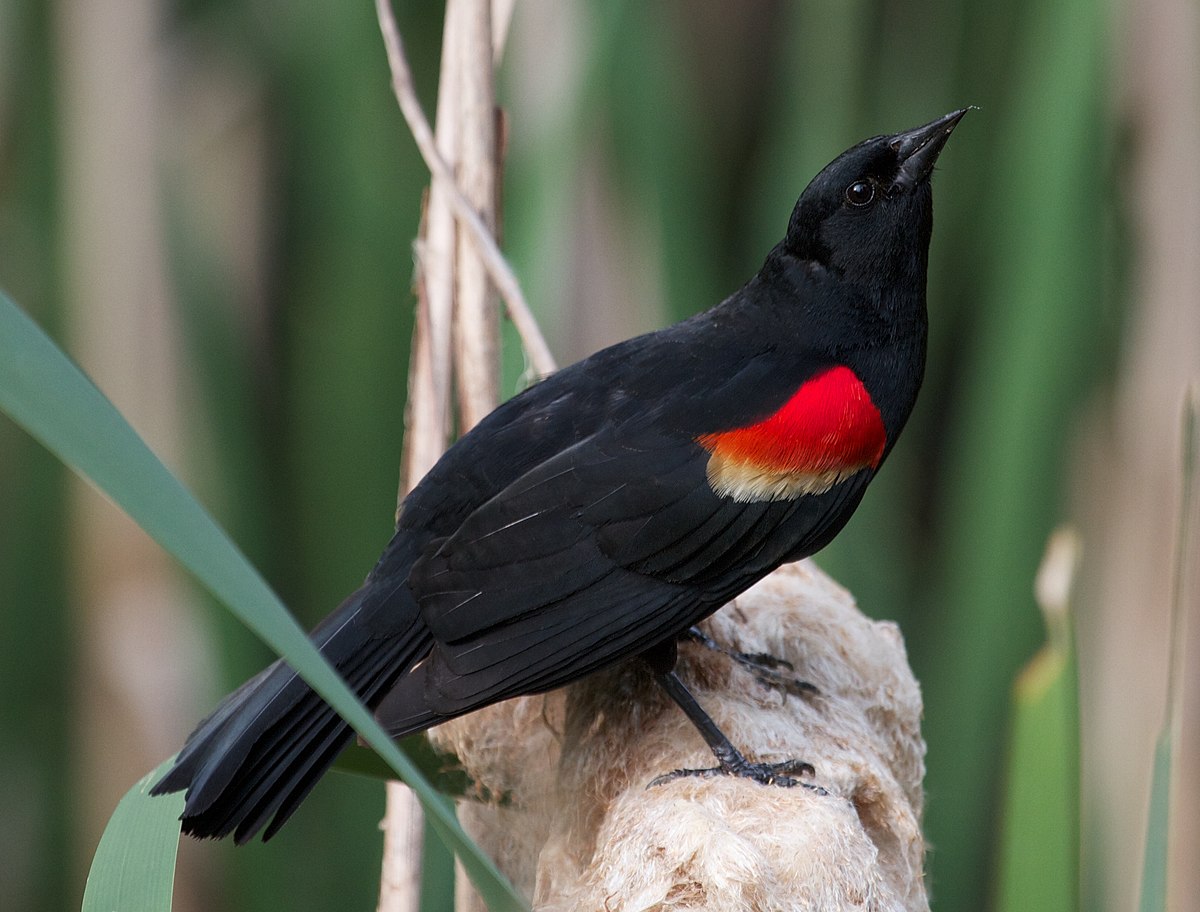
{"points": [[211, 204]]}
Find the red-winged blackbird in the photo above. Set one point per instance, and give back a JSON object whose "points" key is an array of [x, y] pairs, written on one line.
{"points": [[605, 510]]}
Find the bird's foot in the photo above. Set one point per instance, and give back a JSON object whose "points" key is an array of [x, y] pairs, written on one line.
{"points": [[731, 761], [764, 667], [783, 775]]}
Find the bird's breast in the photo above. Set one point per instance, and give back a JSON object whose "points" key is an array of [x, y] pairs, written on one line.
{"points": [[828, 430]]}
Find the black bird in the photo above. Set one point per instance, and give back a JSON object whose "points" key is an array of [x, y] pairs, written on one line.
{"points": [[604, 511]]}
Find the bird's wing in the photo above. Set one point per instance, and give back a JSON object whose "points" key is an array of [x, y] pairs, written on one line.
{"points": [[608, 548]]}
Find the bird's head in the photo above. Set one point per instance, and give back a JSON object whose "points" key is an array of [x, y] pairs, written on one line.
{"points": [[869, 213]]}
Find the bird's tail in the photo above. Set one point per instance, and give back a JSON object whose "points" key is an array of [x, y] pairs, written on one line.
{"points": [[265, 746]]}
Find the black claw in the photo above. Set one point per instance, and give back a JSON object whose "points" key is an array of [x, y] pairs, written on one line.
{"points": [[764, 666], [786, 683], [764, 660], [777, 774]]}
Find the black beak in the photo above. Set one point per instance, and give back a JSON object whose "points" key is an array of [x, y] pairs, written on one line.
{"points": [[918, 149]]}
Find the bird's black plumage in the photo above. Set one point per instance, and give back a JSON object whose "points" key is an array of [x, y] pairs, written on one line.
{"points": [[587, 519]]}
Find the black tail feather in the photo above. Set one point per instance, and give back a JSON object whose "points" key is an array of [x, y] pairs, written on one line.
{"points": [[257, 756]]}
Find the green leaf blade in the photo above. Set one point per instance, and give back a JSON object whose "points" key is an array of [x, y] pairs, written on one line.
{"points": [[1039, 843], [134, 864], [1153, 896], [49, 396], [1039, 850]]}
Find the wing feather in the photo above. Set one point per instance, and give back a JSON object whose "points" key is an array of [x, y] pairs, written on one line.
{"points": [[539, 652]]}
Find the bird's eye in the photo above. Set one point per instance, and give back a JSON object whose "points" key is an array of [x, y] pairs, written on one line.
{"points": [[860, 193]]}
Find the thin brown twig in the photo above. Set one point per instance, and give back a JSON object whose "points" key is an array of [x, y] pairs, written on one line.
{"points": [[501, 273]]}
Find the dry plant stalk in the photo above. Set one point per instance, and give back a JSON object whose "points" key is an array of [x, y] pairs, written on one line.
{"points": [[538, 352], [476, 321], [457, 329]]}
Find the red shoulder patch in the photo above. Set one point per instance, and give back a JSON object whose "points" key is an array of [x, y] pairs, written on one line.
{"points": [[828, 430]]}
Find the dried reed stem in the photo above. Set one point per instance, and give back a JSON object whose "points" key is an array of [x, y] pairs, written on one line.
{"points": [[500, 272], [457, 328]]}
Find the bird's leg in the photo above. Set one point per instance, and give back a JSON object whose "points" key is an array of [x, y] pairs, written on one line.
{"points": [[730, 759], [765, 667]]}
